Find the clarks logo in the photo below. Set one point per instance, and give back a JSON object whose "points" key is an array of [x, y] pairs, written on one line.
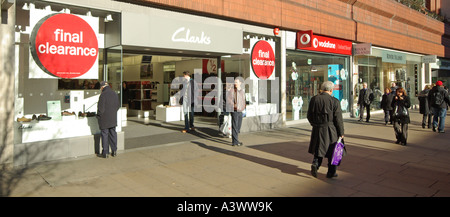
{"points": [[184, 35]]}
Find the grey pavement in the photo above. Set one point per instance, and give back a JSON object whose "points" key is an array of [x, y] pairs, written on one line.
{"points": [[272, 163]]}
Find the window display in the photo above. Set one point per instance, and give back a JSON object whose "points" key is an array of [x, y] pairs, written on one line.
{"points": [[306, 72], [385, 68]]}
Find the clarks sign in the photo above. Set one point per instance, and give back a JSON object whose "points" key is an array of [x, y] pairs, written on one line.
{"points": [[184, 35], [169, 32]]}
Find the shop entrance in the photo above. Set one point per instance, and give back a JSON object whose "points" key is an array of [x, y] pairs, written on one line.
{"points": [[154, 115]]}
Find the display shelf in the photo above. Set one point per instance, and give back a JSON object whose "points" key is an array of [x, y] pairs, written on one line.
{"points": [[143, 95]]}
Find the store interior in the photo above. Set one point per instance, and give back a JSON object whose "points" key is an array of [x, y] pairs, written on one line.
{"points": [[150, 101]]}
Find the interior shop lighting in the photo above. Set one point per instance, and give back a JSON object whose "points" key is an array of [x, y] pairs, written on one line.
{"points": [[89, 14], [48, 8], [65, 10], [108, 18], [26, 7]]}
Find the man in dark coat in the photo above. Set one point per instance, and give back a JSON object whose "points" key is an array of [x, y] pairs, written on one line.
{"points": [[365, 98], [439, 100], [189, 95], [108, 105], [325, 116]]}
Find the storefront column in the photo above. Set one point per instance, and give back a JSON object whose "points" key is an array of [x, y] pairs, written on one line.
{"points": [[283, 77], [219, 89], [7, 37]]}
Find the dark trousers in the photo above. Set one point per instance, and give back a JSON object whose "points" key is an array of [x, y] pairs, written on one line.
{"points": [[331, 168], [361, 111], [236, 123], [387, 116], [424, 120], [109, 138], [401, 131], [189, 118]]}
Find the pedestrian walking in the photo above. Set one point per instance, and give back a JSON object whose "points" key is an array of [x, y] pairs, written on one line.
{"points": [[325, 116], [393, 87], [188, 100], [401, 104], [439, 100], [236, 99], [386, 105], [108, 105], [424, 107], [365, 98]]}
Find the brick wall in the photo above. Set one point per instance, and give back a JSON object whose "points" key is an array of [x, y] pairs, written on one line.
{"points": [[384, 23]]}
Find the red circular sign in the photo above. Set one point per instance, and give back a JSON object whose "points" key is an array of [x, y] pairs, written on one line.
{"points": [[64, 45], [263, 59]]}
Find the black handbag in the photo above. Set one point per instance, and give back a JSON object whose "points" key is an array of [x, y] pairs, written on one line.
{"points": [[400, 111]]}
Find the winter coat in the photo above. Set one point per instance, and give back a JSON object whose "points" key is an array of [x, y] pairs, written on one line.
{"points": [[424, 106], [444, 93], [365, 97], [406, 103], [108, 105], [386, 101], [325, 116], [235, 100]]}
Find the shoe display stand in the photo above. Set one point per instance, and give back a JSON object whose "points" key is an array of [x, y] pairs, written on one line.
{"points": [[70, 137]]}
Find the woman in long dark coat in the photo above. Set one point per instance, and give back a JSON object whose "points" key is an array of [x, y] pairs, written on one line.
{"points": [[386, 105], [325, 116], [401, 100], [424, 107]]}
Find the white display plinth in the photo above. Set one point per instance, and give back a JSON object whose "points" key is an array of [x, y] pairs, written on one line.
{"points": [[261, 109], [69, 126], [169, 113]]}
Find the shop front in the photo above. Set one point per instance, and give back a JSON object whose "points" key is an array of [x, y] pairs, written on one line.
{"points": [[311, 60], [63, 51], [380, 68], [213, 51], [440, 69]]}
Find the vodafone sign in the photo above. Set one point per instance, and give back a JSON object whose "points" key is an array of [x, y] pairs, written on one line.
{"points": [[306, 40], [64, 45], [262, 59]]}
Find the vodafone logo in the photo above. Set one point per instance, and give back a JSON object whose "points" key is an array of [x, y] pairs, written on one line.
{"points": [[64, 45], [263, 60], [315, 43], [305, 39]]}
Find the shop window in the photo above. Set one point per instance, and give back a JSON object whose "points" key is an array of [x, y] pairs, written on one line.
{"points": [[305, 74]]}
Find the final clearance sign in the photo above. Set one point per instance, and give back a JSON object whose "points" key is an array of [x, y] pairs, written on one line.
{"points": [[306, 40], [63, 46], [262, 59]]}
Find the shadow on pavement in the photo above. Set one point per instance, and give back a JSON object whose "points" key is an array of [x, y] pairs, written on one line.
{"points": [[283, 167]]}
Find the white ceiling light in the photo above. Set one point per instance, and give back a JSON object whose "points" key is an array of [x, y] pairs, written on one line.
{"points": [[65, 10], [26, 7], [108, 18]]}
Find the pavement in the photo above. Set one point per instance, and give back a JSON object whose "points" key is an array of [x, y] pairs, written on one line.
{"points": [[272, 163]]}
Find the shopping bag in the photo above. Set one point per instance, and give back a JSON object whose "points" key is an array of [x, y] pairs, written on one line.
{"points": [[338, 152], [225, 128]]}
